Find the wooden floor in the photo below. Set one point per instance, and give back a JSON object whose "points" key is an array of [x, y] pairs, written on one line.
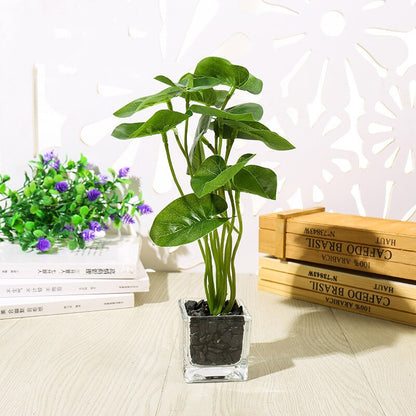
{"points": [[305, 360]]}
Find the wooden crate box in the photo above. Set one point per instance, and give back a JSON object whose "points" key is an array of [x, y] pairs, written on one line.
{"points": [[367, 244]]}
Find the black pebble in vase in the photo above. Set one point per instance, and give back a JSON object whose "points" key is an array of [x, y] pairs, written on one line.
{"points": [[217, 340]]}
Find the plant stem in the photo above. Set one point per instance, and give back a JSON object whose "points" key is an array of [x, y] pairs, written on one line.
{"points": [[210, 293], [172, 170], [237, 244], [208, 144], [183, 149], [227, 98]]}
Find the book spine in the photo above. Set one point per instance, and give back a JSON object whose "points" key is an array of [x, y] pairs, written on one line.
{"points": [[379, 284], [65, 304], [361, 263], [338, 302], [47, 287], [58, 271], [348, 293]]}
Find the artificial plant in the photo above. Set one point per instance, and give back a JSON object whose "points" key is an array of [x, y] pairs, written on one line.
{"points": [[210, 214], [65, 201]]}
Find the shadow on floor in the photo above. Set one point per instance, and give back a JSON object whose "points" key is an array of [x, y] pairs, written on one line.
{"points": [[312, 335]]}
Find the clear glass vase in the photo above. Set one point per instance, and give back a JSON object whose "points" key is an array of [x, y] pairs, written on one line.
{"points": [[215, 348]]}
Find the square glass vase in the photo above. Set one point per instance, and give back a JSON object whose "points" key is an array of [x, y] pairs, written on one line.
{"points": [[215, 348]]}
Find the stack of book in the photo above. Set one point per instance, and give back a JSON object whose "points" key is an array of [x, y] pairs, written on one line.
{"points": [[359, 264], [106, 275]]}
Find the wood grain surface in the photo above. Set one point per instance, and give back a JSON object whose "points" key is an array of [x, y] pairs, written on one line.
{"points": [[305, 359]]}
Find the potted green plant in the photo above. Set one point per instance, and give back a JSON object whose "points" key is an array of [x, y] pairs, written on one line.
{"points": [[216, 330]]}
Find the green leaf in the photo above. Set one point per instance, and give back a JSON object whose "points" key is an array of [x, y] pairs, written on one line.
{"points": [[26, 192], [34, 209], [204, 96], [161, 122], [29, 225], [128, 196], [214, 174], [148, 101], [3, 188], [190, 82], [19, 226], [165, 80], [221, 95], [83, 161], [203, 83], [80, 188], [39, 233], [73, 245], [214, 112], [47, 200], [84, 211], [76, 219], [126, 130], [79, 199], [256, 180], [223, 70], [254, 109], [252, 85], [197, 154], [32, 187], [187, 219], [253, 130]]}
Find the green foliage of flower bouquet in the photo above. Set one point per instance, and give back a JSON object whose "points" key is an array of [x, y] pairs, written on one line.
{"points": [[65, 202], [211, 214]]}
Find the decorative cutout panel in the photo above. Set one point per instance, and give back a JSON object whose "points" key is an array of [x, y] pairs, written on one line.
{"points": [[339, 82]]}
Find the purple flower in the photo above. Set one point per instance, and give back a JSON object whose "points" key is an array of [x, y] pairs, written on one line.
{"points": [[90, 166], [61, 186], [87, 234], [54, 164], [102, 179], [95, 226], [123, 172], [43, 244], [48, 156], [144, 209], [93, 194], [69, 227], [51, 160], [112, 217], [127, 219]]}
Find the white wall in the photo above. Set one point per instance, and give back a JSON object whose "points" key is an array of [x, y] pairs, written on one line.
{"points": [[339, 82]]}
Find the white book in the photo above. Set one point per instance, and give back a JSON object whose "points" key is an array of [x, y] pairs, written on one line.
{"points": [[107, 257], [51, 305], [19, 288]]}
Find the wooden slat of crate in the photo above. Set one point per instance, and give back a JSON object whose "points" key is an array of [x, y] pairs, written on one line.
{"points": [[364, 264], [351, 228], [373, 282], [337, 302], [394, 241], [346, 248], [272, 233], [366, 296]]}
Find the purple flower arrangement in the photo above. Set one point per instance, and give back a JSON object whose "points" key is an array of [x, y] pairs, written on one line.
{"points": [[66, 202]]}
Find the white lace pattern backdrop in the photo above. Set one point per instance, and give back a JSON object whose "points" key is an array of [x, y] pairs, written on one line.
{"points": [[339, 83]]}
